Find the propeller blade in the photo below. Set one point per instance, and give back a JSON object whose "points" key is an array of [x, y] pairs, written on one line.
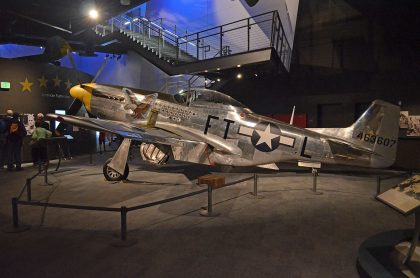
{"points": [[72, 110], [100, 70], [73, 64]]}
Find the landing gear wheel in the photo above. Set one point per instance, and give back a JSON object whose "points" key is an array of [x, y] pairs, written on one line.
{"points": [[112, 175]]}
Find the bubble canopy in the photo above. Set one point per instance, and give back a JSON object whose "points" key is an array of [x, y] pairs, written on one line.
{"points": [[198, 96]]}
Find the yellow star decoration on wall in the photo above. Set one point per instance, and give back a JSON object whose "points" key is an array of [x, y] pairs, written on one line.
{"points": [[56, 81], [26, 85], [68, 84], [42, 82]]}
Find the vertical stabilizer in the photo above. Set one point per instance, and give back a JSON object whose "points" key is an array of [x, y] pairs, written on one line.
{"points": [[377, 129]]}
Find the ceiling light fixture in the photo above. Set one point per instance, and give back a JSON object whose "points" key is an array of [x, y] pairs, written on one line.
{"points": [[218, 79], [238, 66], [93, 13], [239, 75]]}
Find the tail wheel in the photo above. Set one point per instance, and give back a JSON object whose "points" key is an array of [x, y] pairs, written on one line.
{"points": [[112, 175]]}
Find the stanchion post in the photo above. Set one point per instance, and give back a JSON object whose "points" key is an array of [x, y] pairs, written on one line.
{"points": [[209, 200], [378, 185], [255, 184], [209, 210], [123, 223], [28, 190], [15, 213], [315, 175], [46, 164], [90, 149]]}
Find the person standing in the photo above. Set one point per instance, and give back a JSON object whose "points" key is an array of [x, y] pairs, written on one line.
{"points": [[101, 141], [41, 122], [15, 133], [39, 147], [4, 124]]}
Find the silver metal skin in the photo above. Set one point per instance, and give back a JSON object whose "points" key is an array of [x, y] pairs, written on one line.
{"points": [[208, 127], [119, 160]]}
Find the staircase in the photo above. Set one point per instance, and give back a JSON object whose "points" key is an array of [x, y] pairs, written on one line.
{"points": [[251, 40], [148, 35]]}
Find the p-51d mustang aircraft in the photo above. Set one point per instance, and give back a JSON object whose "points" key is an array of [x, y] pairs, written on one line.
{"points": [[208, 127]]}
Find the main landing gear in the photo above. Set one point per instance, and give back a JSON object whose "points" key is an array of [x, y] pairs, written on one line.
{"points": [[116, 168], [112, 175]]}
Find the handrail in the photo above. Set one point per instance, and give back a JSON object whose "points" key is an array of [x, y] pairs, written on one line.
{"points": [[244, 19], [226, 31], [208, 43]]}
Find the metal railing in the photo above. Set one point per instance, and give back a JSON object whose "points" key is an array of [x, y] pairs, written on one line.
{"points": [[123, 210], [241, 36]]}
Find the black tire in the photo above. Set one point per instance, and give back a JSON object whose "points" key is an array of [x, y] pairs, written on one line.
{"points": [[112, 175]]}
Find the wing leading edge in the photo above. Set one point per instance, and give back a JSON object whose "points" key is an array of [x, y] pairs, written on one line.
{"points": [[182, 149], [148, 135]]}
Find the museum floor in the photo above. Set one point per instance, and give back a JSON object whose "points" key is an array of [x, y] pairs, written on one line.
{"points": [[289, 232]]}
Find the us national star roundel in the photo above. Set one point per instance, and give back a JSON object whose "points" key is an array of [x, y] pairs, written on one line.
{"points": [[265, 137]]}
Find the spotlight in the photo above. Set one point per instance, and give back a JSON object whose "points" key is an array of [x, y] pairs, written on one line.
{"points": [[206, 71], [218, 68], [239, 75], [255, 74], [238, 66], [93, 13], [218, 79]]}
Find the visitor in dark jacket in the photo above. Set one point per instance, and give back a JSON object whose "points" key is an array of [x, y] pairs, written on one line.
{"points": [[5, 122], [15, 133]]}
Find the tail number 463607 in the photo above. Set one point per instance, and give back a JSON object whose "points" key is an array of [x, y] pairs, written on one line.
{"points": [[376, 139]]}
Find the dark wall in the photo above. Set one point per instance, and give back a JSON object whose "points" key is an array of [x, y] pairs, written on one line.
{"points": [[37, 98], [346, 54]]}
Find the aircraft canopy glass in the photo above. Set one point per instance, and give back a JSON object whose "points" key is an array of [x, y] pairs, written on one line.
{"points": [[197, 96]]}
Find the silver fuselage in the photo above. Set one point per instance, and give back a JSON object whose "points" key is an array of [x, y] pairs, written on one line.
{"points": [[233, 132]]}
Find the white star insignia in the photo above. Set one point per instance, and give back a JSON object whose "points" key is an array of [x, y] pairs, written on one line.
{"points": [[266, 136]]}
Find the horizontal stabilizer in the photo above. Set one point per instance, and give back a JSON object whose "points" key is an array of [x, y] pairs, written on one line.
{"points": [[271, 166]]}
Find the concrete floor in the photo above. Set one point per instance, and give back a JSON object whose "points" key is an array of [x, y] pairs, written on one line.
{"points": [[290, 232]]}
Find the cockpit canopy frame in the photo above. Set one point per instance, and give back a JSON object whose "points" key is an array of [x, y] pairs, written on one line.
{"points": [[199, 97]]}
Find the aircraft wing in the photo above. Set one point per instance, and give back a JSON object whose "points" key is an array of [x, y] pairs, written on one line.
{"points": [[147, 135]]}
